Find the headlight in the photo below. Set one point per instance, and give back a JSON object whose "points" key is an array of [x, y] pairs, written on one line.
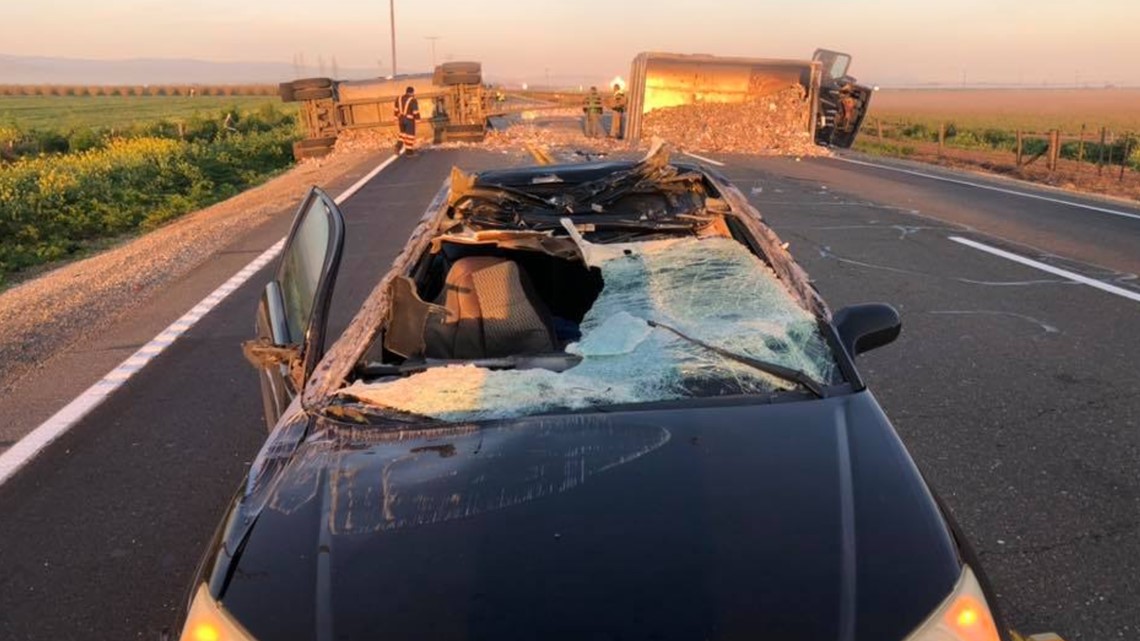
{"points": [[963, 616], [207, 621]]}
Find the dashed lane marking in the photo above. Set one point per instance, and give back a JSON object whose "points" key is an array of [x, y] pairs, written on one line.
{"points": [[703, 159], [1063, 273], [34, 442]]}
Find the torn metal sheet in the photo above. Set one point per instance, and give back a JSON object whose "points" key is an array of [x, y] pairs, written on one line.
{"points": [[461, 184], [543, 242]]}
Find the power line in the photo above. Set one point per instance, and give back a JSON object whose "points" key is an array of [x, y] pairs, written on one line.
{"points": [[433, 39]]}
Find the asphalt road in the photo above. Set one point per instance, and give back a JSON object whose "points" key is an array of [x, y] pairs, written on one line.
{"points": [[1016, 391]]}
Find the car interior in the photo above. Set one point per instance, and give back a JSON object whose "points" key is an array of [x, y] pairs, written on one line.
{"points": [[476, 301]]}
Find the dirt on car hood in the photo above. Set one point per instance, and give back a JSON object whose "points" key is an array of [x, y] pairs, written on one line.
{"points": [[790, 520]]}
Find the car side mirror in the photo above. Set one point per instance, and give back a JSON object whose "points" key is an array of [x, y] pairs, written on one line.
{"points": [[863, 328]]}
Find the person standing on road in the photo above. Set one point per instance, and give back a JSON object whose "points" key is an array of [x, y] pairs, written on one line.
{"points": [[618, 111], [407, 113], [593, 110]]}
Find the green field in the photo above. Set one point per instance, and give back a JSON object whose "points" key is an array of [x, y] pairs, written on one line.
{"points": [[67, 113], [75, 171]]}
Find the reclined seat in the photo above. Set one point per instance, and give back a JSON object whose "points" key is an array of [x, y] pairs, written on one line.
{"points": [[491, 312]]}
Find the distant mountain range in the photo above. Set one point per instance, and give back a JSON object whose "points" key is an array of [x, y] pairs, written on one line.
{"points": [[38, 70]]}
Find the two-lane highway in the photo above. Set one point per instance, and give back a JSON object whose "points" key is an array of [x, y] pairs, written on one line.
{"points": [[1015, 389]]}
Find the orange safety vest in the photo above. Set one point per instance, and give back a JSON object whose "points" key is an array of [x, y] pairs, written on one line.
{"points": [[407, 107]]}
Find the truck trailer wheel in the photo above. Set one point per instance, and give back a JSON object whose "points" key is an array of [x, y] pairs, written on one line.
{"points": [[313, 147], [460, 73], [464, 133], [312, 94], [313, 83]]}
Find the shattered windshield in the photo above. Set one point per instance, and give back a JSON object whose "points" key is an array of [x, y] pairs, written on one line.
{"points": [[713, 289]]}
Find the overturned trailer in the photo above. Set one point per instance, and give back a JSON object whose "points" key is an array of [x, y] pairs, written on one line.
{"points": [[819, 99], [453, 105]]}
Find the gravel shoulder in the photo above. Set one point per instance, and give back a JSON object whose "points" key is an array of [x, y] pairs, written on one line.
{"points": [[44, 316]]}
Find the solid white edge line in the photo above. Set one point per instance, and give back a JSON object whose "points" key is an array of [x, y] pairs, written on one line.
{"points": [[1012, 192], [1064, 273], [355, 187], [34, 442], [703, 159]]}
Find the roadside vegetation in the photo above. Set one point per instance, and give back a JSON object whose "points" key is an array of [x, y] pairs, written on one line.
{"points": [[1097, 133], [53, 116], [989, 119], [899, 138], [65, 188]]}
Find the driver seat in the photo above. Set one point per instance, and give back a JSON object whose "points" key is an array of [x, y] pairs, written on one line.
{"points": [[491, 312]]}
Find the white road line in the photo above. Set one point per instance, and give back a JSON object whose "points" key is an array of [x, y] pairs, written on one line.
{"points": [[1064, 273], [703, 159], [20, 454], [1013, 192], [348, 193]]}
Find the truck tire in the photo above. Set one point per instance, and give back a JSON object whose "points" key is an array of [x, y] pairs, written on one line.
{"points": [[285, 90], [460, 73], [313, 83], [462, 67], [313, 147], [453, 79], [464, 133], [312, 94]]}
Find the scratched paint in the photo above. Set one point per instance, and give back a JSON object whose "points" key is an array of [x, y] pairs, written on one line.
{"points": [[377, 482]]}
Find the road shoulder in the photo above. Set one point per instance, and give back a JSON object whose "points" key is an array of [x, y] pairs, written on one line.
{"points": [[65, 329]]}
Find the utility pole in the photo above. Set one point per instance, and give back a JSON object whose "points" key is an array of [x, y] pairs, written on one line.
{"points": [[433, 39], [392, 17]]}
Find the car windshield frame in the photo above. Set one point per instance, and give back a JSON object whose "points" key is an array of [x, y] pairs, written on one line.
{"points": [[346, 354]]}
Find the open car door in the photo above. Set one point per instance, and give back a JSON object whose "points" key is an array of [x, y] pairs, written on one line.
{"points": [[293, 312], [833, 63]]}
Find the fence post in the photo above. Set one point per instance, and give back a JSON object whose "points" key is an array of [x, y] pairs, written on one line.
{"points": [[1127, 155], [879, 126], [1110, 145], [1054, 148], [941, 137], [1100, 153], [1019, 148], [1081, 146]]}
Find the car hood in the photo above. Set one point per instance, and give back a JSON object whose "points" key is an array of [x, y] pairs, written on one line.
{"points": [[799, 520]]}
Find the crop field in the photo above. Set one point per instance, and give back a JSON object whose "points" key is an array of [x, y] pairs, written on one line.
{"points": [[71, 112], [1028, 109], [1098, 133], [76, 171]]}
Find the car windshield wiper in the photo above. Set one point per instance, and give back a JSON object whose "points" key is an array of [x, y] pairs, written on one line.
{"points": [[779, 371]]}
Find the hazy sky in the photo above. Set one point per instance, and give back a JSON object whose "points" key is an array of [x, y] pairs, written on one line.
{"points": [[893, 41]]}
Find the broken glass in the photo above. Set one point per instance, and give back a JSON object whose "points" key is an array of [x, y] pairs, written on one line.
{"points": [[712, 289]]}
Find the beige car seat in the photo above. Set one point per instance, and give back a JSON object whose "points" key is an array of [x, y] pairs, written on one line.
{"points": [[491, 312]]}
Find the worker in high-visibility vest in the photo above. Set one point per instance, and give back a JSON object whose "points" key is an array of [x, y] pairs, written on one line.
{"points": [[593, 109], [407, 113], [618, 108]]}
